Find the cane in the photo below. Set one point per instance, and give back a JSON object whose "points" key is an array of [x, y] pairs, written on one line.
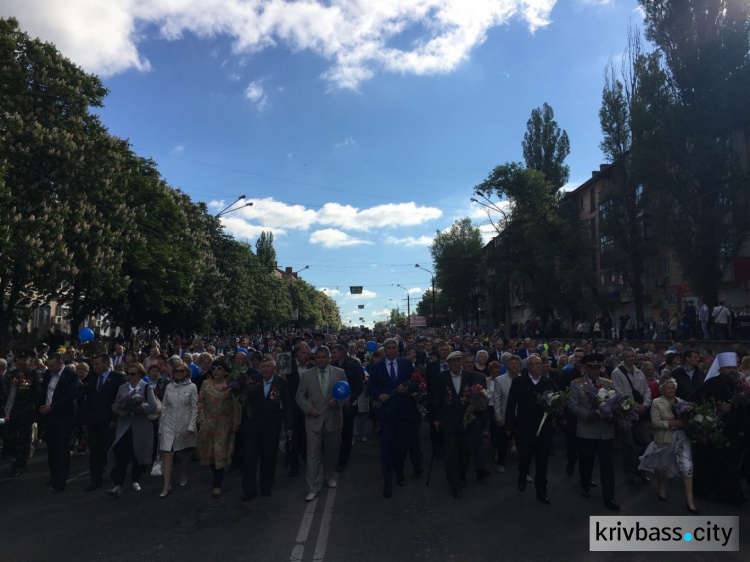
{"points": [[429, 470]]}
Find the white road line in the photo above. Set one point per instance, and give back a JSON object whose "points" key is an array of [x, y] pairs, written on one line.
{"points": [[325, 527], [304, 531]]}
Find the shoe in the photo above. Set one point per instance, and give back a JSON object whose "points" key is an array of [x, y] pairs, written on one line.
{"points": [[570, 469], [691, 510], [501, 468], [310, 497], [183, 483], [340, 468], [585, 492], [165, 494], [115, 492], [250, 496], [364, 439], [661, 498], [593, 484], [457, 494], [15, 473], [543, 498], [513, 450], [387, 492], [93, 486], [354, 441], [611, 504], [136, 487], [529, 479], [400, 481], [216, 495], [644, 479], [332, 483], [58, 488], [522, 484]]}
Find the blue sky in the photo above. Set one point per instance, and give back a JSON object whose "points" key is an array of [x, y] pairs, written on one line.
{"points": [[358, 128]]}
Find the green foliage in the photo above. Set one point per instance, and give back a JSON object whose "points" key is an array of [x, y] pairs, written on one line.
{"points": [[265, 251], [546, 146]]}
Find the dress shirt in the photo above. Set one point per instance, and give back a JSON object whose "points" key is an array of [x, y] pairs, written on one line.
{"points": [[456, 379], [103, 379], [535, 381], [323, 374], [267, 386], [54, 379]]}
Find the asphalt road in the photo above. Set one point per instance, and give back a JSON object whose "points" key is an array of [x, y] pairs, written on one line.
{"points": [[353, 522]]}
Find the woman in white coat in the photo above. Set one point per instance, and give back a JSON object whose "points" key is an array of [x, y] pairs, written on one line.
{"points": [[179, 414]]}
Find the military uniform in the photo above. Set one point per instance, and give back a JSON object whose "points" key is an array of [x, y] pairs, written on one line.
{"points": [[23, 393], [596, 436]]}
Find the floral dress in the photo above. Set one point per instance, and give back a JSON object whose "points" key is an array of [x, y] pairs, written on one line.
{"points": [[219, 418]]}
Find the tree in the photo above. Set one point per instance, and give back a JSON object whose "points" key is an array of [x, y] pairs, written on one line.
{"points": [[265, 250], [457, 254], [546, 146], [693, 101]]}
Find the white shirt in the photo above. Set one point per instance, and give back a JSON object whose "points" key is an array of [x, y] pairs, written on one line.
{"points": [[456, 379], [721, 315], [54, 379], [535, 381]]}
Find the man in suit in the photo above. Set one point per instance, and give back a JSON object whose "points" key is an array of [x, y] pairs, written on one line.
{"points": [[389, 379], [689, 377], [57, 409], [269, 406], [596, 436], [570, 419], [523, 415], [300, 363], [432, 373], [449, 415], [355, 378], [497, 353], [101, 391], [323, 420], [119, 355]]}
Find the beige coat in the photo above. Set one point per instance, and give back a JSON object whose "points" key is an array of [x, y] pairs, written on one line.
{"points": [[661, 415], [179, 414]]}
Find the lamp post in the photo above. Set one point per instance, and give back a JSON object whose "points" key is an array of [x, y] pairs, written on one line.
{"points": [[228, 209], [432, 275], [408, 305]]}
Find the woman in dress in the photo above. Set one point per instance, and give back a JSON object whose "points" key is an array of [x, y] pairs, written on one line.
{"points": [[219, 418], [179, 415], [670, 453]]}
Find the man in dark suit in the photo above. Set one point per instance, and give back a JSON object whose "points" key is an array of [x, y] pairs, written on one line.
{"points": [[523, 415], [449, 415], [119, 355], [265, 410], [57, 409], [355, 378], [101, 392], [432, 374], [389, 380], [300, 363], [689, 377]]}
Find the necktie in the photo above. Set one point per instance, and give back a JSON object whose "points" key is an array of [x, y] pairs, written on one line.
{"points": [[323, 381], [99, 384], [393, 373]]}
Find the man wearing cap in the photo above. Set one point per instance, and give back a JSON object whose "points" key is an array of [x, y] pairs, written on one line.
{"points": [[23, 387], [596, 436], [717, 469], [449, 416]]}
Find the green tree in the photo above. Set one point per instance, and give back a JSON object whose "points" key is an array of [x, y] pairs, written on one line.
{"points": [[457, 255], [693, 102], [546, 146], [265, 250]]}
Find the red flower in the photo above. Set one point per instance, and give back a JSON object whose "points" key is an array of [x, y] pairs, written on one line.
{"points": [[599, 385], [224, 387]]}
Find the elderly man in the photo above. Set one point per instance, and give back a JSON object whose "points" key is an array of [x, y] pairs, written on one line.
{"points": [[630, 381]]}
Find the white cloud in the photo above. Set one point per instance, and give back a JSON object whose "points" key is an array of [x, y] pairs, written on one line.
{"points": [[383, 312], [256, 93], [356, 36], [244, 230], [332, 238], [366, 294], [409, 240], [379, 216], [348, 141], [415, 291], [179, 149], [330, 292]]}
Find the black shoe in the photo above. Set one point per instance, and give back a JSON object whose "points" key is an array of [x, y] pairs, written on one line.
{"points": [[294, 471], [522, 484], [93, 486], [457, 494], [387, 492], [611, 504], [463, 483], [585, 492], [16, 472], [58, 488], [645, 479], [543, 498], [691, 510], [340, 468], [570, 469], [593, 484], [248, 497], [661, 498]]}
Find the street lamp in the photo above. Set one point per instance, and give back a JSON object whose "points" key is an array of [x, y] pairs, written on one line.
{"points": [[303, 269], [227, 210], [408, 305], [433, 290]]}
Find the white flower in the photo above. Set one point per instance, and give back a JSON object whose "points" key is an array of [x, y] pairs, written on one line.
{"points": [[699, 418], [625, 406]]}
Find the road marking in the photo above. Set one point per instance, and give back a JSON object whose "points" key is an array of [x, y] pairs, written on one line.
{"points": [[304, 531], [325, 527]]}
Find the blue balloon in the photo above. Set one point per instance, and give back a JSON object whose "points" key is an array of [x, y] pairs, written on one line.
{"points": [[86, 335], [242, 350], [372, 346], [503, 370], [568, 367], [341, 390]]}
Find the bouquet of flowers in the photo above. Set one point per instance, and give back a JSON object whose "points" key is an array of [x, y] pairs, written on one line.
{"points": [[741, 398], [553, 403], [704, 425], [475, 399], [609, 405], [130, 403], [416, 384], [683, 411], [242, 387]]}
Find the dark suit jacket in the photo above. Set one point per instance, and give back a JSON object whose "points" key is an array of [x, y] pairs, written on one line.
{"points": [[432, 373], [269, 412], [64, 398], [449, 410], [523, 414], [356, 379], [98, 404], [685, 386], [399, 407]]}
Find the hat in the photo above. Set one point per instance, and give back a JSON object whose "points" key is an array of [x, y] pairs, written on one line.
{"points": [[455, 355], [725, 359], [25, 353], [593, 360]]}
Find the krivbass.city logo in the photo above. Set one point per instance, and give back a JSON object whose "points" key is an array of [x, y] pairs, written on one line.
{"points": [[689, 534]]}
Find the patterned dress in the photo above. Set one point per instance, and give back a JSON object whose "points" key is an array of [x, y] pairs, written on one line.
{"points": [[219, 418]]}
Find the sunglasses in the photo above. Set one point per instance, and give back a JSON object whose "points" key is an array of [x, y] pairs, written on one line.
{"points": [[135, 374]]}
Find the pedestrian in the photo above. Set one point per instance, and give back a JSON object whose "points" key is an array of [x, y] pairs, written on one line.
{"points": [[23, 388]]}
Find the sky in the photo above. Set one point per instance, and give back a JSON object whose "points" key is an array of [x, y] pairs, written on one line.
{"points": [[358, 129]]}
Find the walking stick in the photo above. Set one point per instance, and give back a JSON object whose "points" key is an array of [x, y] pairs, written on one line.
{"points": [[429, 470]]}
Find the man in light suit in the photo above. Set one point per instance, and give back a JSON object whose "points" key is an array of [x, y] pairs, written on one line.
{"points": [[388, 384], [323, 420]]}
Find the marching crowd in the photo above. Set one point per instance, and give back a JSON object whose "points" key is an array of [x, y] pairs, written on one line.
{"points": [[233, 403]]}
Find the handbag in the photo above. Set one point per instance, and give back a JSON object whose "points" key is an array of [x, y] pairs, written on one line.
{"points": [[156, 469]]}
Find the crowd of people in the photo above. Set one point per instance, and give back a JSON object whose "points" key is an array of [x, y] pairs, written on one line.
{"points": [[232, 403]]}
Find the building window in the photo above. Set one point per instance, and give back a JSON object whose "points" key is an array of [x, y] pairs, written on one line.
{"points": [[592, 200], [665, 267], [606, 242]]}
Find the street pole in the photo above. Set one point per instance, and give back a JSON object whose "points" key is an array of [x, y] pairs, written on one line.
{"points": [[408, 306]]}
